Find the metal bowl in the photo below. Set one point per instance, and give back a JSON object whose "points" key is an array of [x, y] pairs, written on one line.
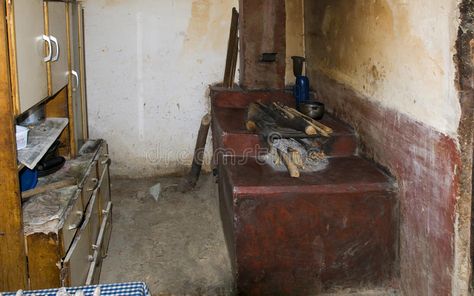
{"points": [[314, 110]]}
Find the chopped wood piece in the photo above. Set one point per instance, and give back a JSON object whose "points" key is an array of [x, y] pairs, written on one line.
{"points": [[292, 169], [251, 126], [275, 156], [296, 157], [314, 150], [325, 130], [258, 118], [310, 130], [317, 155], [286, 119]]}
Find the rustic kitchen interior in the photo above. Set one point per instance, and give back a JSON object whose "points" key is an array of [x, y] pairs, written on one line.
{"points": [[237, 147]]}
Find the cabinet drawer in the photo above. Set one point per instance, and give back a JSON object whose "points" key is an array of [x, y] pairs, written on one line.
{"points": [[78, 259], [90, 183], [94, 225], [107, 233], [101, 243], [104, 189], [73, 221], [103, 159]]}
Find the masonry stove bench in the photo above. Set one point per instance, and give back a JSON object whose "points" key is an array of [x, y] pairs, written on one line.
{"points": [[332, 228]]}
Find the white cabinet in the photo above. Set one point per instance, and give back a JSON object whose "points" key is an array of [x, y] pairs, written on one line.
{"points": [[28, 23], [58, 33]]}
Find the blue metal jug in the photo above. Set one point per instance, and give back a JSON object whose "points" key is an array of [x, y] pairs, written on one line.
{"points": [[301, 89]]}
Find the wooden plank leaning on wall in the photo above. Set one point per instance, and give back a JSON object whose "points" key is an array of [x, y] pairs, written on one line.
{"points": [[13, 272]]}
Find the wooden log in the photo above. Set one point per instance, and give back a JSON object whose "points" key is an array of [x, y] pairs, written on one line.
{"points": [[292, 168], [252, 114], [257, 118], [41, 189], [189, 182], [294, 122], [324, 129], [251, 126], [285, 119]]}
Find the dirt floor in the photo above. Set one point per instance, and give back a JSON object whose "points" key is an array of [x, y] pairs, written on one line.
{"points": [[175, 245]]}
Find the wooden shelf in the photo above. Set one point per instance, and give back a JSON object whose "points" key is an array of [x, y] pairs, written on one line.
{"points": [[40, 138]]}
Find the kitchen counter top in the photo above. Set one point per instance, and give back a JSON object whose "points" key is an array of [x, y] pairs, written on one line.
{"points": [[46, 212]]}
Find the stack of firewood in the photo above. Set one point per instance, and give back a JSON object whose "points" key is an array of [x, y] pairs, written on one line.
{"points": [[280, 121]]}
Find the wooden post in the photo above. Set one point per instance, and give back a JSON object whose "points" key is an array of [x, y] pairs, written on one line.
{"points": [[188, 182], [13, 271]]}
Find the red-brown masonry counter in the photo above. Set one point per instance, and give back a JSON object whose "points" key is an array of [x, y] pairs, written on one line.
{"points": [[337, 227]]}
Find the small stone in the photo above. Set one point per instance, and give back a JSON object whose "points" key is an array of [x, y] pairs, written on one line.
{"points": [[155, 191]]}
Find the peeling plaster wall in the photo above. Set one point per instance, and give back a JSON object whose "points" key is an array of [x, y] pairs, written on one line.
{"points": [[388, 68], [395, 52], [149, 64]]}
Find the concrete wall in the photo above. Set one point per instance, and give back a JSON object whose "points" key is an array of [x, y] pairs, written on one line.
{"points": [[149, 64], [395, 52]]}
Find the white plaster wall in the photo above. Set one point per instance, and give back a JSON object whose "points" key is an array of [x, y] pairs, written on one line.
{"points": [[396, 52], [149, 64]]}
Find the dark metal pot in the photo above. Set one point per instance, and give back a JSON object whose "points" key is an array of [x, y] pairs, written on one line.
{"points": [[314, 110]]}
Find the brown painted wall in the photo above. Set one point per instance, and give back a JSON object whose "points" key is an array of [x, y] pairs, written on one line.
{"points": [[424, 163], [262, 30], [388, 69]]}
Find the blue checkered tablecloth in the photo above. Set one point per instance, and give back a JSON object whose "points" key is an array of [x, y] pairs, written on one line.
{"points": [[117, 289]]}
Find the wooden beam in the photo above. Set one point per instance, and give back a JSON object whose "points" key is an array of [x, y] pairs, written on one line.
{"points": [[13, 271], [232, 51]]}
